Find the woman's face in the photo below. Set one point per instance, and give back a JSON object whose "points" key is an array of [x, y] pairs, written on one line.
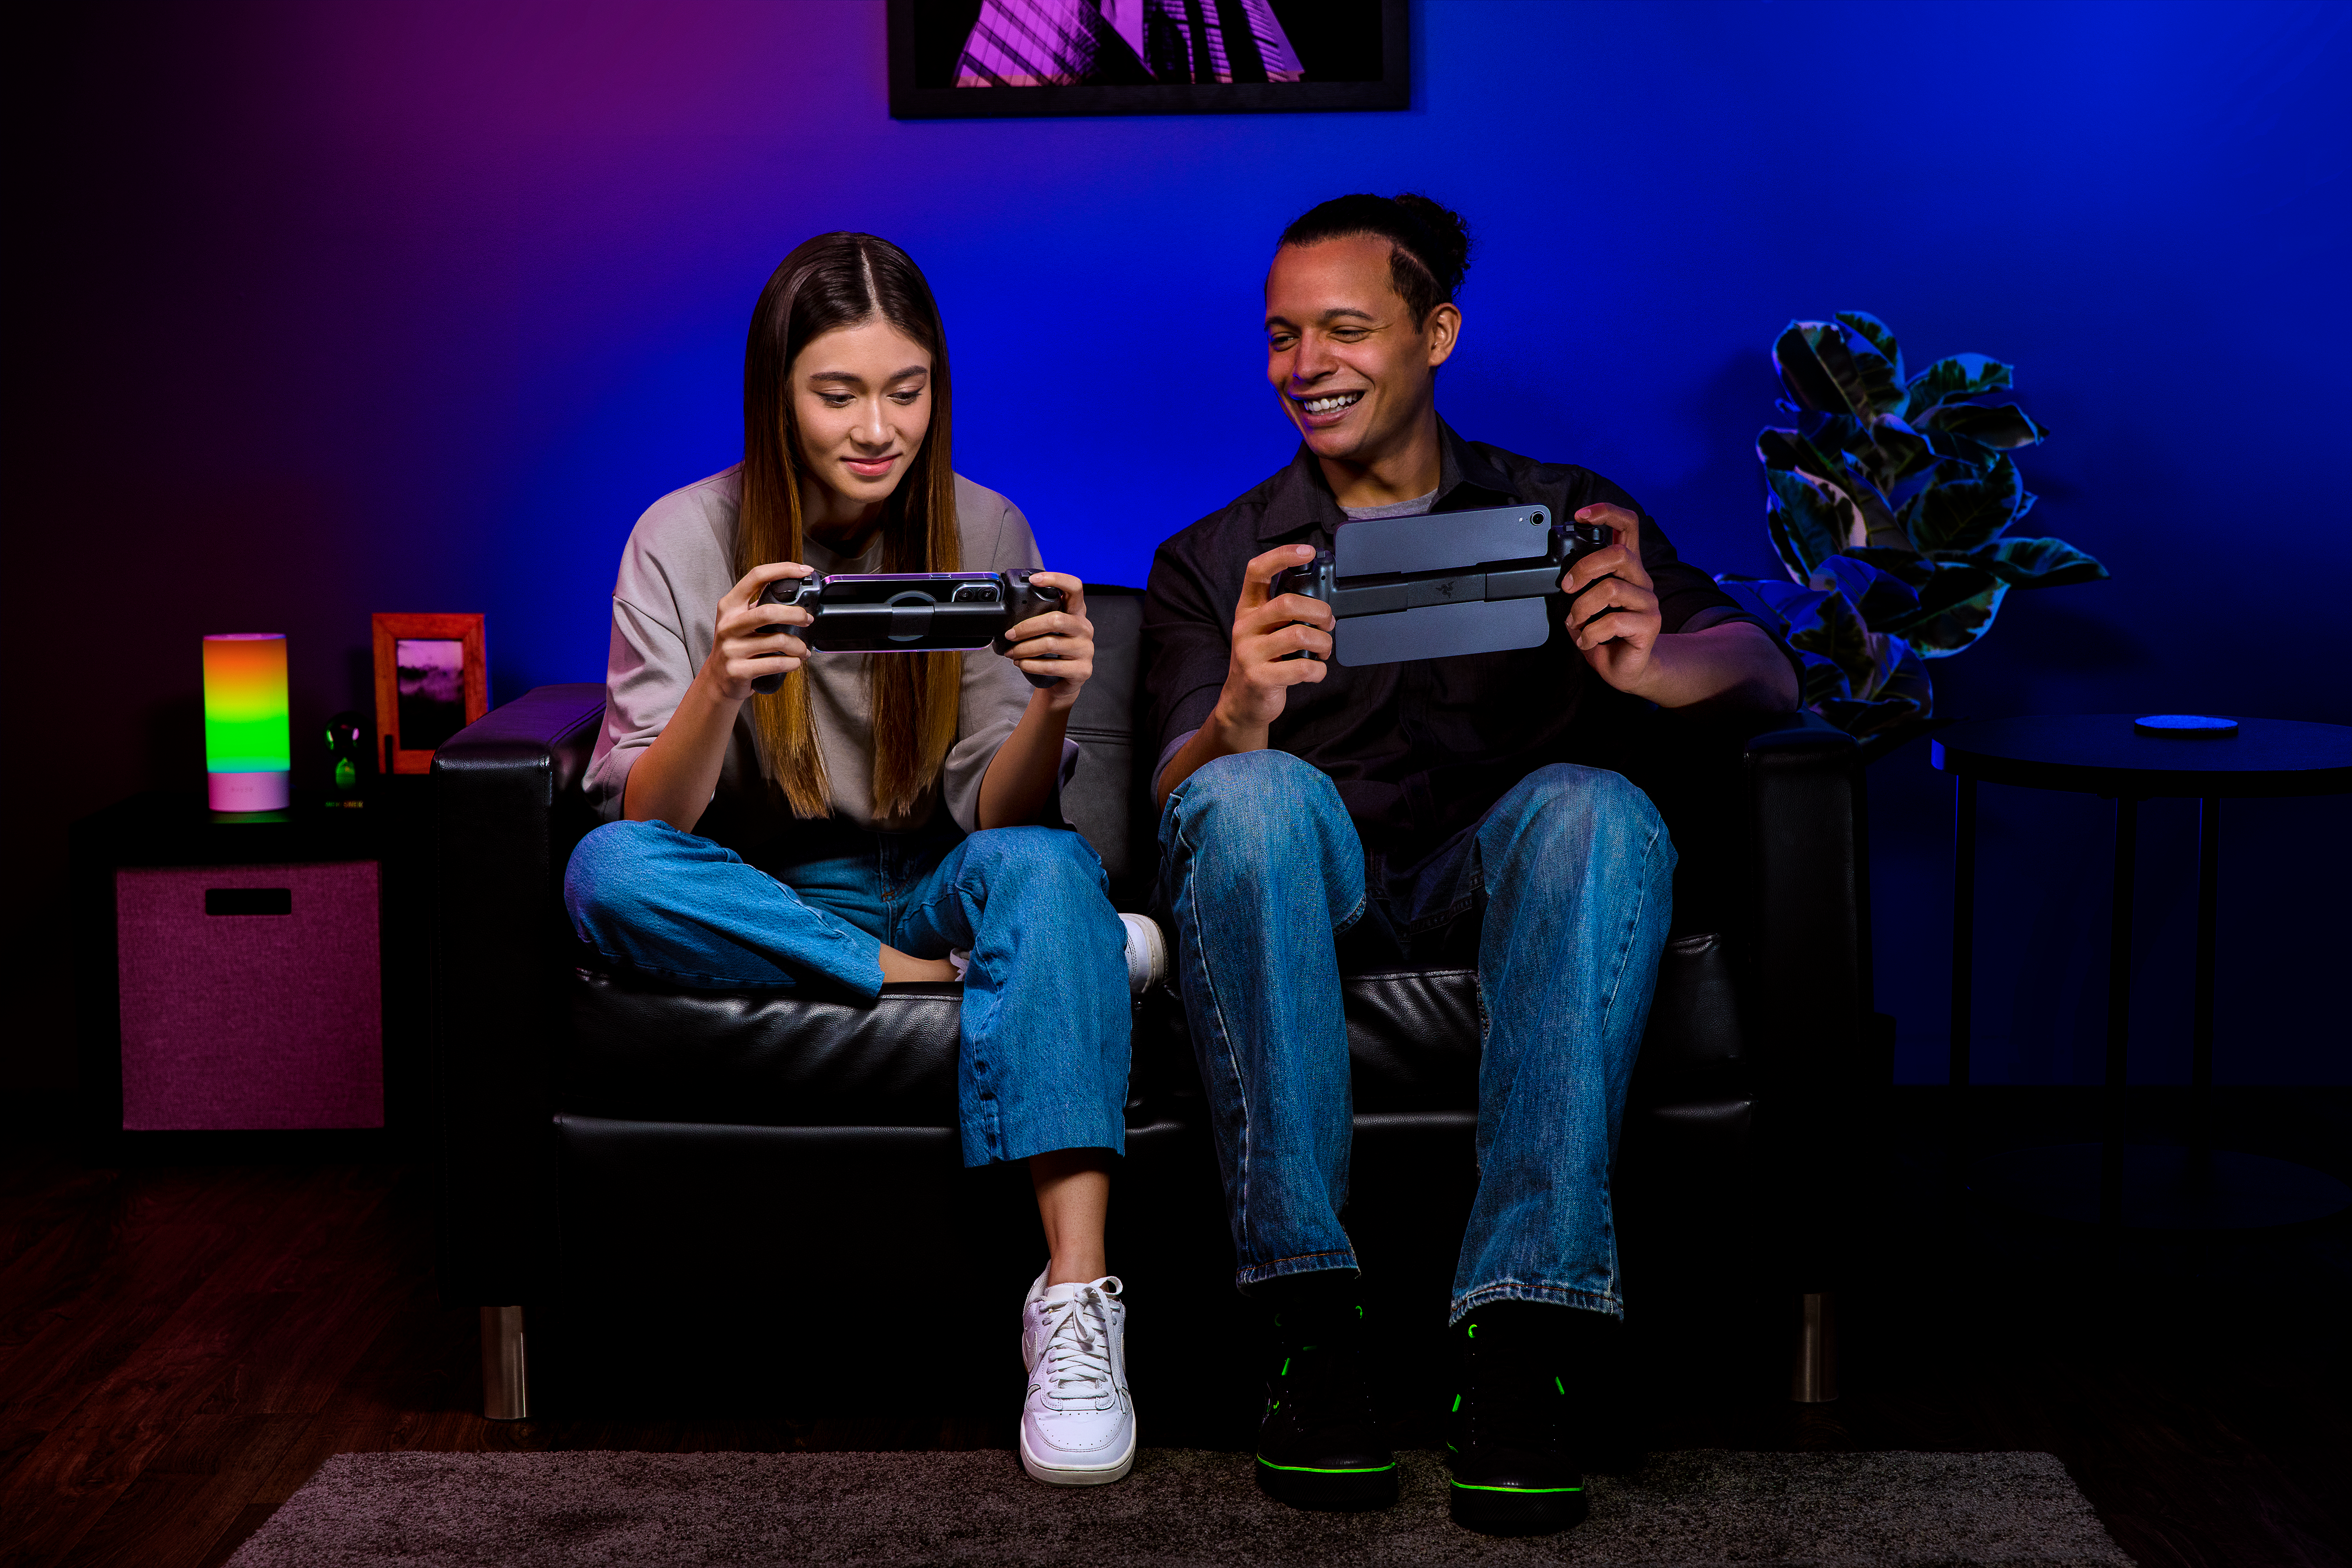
{"points": [[862, 396]]}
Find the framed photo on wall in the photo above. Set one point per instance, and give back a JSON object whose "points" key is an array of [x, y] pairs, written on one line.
{"points": [[432, 679], [953, 59]]}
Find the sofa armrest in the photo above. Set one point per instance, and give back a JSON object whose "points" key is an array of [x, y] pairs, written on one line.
{"points": [[507, 808], [1808, 958]]}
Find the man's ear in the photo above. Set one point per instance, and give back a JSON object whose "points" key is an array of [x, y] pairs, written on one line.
{"points": [[1444, 331]]}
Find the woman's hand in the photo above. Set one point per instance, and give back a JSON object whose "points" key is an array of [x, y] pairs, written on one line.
{"points": [[753, 640], [1058, 643]]}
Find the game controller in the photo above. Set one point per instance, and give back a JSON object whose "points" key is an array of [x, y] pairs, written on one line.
{"points": [[1397, 589], [911, 612]]}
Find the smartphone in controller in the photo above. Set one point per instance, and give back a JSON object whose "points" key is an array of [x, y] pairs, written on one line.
{"points": [[911, 612]]}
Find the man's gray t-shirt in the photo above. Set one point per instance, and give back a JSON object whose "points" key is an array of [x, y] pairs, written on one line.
{"points": [[679, 561]]}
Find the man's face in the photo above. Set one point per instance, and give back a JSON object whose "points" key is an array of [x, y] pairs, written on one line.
{"points": [[1351, 369]]}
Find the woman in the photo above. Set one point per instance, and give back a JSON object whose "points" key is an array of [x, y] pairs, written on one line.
{"points": [[877, 814]]}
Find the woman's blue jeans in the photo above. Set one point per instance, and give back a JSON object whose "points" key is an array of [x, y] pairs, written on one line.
{"points": [[1043, 1058], [1570, 876]]}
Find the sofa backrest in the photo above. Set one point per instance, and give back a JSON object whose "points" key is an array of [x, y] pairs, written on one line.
{"points": [[1106, 800]]}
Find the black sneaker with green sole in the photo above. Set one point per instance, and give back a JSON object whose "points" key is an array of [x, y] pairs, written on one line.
{"points": [[1507, 1428], [1320, 1446]]}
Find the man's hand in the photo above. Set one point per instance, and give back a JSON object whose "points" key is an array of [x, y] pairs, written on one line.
{"points": [[1612, 613], [1266, 632], [1612, 609]]}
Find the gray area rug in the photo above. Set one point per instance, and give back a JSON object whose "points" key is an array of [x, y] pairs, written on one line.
{"points": [[1180, 1506]]}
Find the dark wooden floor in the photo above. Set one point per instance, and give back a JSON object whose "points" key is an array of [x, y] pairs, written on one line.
{"points": [[180, 1347]]}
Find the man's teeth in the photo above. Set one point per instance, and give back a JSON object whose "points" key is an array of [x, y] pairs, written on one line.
{"points": [[1332, 404]]}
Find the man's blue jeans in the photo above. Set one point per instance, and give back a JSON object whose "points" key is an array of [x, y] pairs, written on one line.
{"points": [[1043, 1058], [1570, 876]]}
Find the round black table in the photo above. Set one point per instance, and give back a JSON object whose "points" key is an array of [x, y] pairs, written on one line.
{"points": [[2198, 1187]]}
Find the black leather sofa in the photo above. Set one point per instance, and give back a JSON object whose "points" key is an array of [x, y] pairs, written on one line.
{"points": [[682, 1197]]}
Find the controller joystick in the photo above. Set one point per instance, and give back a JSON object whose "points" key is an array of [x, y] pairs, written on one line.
{"points": [[1318, 579], [1027, 598]]}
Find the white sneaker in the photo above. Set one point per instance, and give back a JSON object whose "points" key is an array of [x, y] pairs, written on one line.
{"points": [[1147, 953], [1077, 1424]]}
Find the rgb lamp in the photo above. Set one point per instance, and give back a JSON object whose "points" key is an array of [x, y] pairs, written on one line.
{"points": [[247, 748]]}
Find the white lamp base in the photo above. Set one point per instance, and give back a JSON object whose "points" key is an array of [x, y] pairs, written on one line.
{"points": [[249, 792]]}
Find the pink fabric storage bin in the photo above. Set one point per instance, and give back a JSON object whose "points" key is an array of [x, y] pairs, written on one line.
{"points": [[267, 1012]]}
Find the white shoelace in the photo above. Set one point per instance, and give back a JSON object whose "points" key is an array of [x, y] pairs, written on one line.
{"points": [[1077, 1351]]}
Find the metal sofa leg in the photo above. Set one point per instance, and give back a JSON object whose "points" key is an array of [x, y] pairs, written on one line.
{"points": [[506, 1380], [1813, 1379]]}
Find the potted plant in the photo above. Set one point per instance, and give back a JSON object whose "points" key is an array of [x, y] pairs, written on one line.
{"points": [[1890, 504]]}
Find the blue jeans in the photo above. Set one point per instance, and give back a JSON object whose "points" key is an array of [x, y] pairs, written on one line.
{"points": [[1045, 1014], [1263, 869]]}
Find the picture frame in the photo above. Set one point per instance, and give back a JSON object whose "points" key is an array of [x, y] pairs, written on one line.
{"points": [[432, 679], [1346, 54]]}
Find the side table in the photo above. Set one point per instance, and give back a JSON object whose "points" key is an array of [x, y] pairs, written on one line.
{"points": [[248, 982], [2115, 1184]]}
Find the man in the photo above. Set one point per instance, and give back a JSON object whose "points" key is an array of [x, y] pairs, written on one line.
{"points": [[1415, 809]]}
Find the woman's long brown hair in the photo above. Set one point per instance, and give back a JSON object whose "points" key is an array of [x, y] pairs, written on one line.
{"points": [[842, 280]]}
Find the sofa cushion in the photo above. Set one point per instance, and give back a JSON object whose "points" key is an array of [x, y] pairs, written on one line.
{"points": [[646, 1052]]}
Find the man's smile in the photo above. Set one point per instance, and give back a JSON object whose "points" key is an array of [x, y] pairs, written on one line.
{"points": [[1324, 404]]}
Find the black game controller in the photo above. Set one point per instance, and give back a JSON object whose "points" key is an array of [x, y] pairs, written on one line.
{"points": [[1382, 594], [911, 612]]}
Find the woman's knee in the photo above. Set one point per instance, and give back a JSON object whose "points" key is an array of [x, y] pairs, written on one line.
{"points": [[1005, 855], [606, 878]]}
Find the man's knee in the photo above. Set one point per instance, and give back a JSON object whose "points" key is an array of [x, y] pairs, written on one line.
{"points": [[1251, 797], [1563, 806]]}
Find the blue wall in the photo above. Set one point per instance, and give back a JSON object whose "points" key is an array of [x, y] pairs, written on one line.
{"points": [[389, 305]]}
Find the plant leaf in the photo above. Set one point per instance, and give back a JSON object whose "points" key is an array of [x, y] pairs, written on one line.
{"points": [[1894, 452], [1905, 693], [1768, 599], [1830, 628], [2005, 428], [1904, 566], [1877, 596], [1956, 627], [1958, 375], [1956, 513], [1819, 679], [1864, 376], [1807, 526], [1907, 681], [1954, 584], [1809, 383], [1837, 483], [1881, 336], [2037, 563]]}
